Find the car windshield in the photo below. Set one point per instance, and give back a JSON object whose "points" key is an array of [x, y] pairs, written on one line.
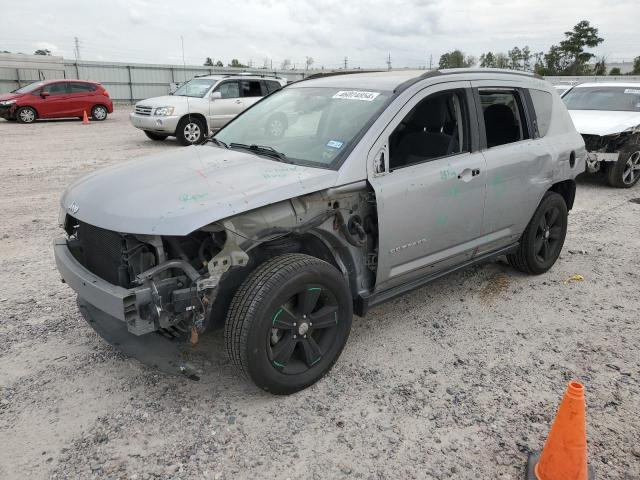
{"points": [[623, 99], [29, 88], [197, 87], [310, 126]]}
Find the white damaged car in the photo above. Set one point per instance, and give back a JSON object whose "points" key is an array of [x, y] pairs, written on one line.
{"points": [[607, 115]]}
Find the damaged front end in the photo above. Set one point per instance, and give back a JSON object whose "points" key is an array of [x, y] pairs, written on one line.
{"points": [[607, 148]]}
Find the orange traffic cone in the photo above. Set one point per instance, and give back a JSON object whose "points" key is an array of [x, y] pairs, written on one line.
{"points": [[85, 119], [564, 456]]}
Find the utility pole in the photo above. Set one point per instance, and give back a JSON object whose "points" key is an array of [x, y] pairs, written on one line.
{"points": [[389, 62], [345, 62], [76, 43], [430, 61]]}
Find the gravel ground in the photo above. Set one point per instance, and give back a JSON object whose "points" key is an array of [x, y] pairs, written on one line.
{"points": [[459, 379]]}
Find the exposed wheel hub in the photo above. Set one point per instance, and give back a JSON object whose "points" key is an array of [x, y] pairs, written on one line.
{"points": [[303, 328]]}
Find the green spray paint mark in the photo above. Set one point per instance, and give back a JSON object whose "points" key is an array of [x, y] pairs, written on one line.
{"points": [[275, 317], [447, 173], [498, 185], [192, 197], [453, 191], [315, 361], [278, 364], [314, 289], [442, 219]]}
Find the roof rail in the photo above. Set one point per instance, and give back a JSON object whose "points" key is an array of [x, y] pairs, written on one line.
{"points": [[333, 74]]}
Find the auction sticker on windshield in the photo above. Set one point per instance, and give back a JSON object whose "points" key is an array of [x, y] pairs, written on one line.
{"points": [[356, 95]]}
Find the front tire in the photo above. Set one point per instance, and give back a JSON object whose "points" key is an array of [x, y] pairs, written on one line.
{"points": [[155, 136], [288, 322], [190, 131], [625, 173], [542, 240], [99, 113], [26, 115]]}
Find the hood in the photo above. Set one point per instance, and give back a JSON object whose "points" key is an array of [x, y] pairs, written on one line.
{"points": [[597, 122], [186, 189], [167, 101], [9, 96]]}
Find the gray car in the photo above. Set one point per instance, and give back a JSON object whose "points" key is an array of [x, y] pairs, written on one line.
{"points": [[380, 183]]}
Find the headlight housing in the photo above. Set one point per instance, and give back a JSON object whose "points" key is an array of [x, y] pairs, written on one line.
{"points": [[635, 129], [7, 102], [163, 111]]}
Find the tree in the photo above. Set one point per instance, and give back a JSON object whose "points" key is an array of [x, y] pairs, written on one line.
{"points": [[502, 61], [515, 56], [286, 64], [44, 51], [582, 36], [636, 67], [456, 59], [219, 64], [488, 60], [208, 62], [600, 67], [526, 58], [236, 63], [615, 71], [308, 61]]}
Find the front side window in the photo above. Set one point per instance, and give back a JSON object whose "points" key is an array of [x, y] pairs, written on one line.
{"points": [[313, 126], [56, 88], [229, 89], [434, 128], [198, 87], [623, 99], [250, 88], [504, 119]]}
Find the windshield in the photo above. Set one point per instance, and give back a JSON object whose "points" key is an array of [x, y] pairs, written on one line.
{"points": [[623, 99], [197, 87], [308, 125], [29, 88]]}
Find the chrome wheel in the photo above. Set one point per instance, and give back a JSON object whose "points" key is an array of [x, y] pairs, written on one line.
{"points": [[632, 169], [27, 115], [192, 132], [99, 113]]}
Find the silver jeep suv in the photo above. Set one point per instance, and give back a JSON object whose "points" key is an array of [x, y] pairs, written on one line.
{"points": [[377, 184], [201, 106]]}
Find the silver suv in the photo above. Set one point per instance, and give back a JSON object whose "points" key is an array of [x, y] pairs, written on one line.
{"points": [[380, 183], [201, 106]]}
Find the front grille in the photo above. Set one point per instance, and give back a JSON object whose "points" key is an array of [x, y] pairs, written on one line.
{"points": [[143, 110], [594, 142], [102, 253]]}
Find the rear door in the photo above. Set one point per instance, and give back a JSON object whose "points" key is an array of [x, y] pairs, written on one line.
{"points": [[222, 110], [81, 97], [56, 104], [430, 193], [519, 164], [250, 91]]}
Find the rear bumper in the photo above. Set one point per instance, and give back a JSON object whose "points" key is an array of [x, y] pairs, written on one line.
{"points": [[120, 303], [166, 125]]}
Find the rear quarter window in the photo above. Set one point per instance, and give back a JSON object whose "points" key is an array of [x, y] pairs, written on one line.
{"points": [[543, 106]]}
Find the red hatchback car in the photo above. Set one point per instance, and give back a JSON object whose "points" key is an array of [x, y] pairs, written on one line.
{"points": [[56, 99]]}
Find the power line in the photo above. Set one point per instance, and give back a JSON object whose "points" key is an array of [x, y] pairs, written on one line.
{"points": [[389, 61], [345, 62]]}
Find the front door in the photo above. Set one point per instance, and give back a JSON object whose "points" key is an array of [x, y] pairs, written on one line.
{"points": [[57, 103], [222, 110], [430, 192]]}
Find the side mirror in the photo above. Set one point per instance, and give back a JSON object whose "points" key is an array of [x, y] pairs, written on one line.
{"points": [[44, 94], [216, 95]]}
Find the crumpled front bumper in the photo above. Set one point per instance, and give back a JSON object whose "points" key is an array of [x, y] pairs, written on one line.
{"points": [[602, 157], [120, 303]]}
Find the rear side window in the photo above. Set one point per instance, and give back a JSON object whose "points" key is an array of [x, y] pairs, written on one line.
{"points": [[78, 87], [542, 104], [272, 86], [56, 88], [504, 118], [250, 88]]}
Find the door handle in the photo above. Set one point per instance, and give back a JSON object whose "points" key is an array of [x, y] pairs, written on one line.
{"points": [[466, 174], [238, 101], [475, 172]]}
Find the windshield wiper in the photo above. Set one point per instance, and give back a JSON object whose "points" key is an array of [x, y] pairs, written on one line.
{"points": [[263, 150], [220, 143]]}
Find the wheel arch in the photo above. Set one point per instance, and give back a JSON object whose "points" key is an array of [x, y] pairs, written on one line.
{"points": [[28, 106], [199, 116], [567, 189]]}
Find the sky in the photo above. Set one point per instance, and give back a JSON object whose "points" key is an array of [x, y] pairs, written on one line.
{"points": [[413, 32]]}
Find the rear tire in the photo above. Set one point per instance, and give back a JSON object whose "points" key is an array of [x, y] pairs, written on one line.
{"points": [[191, 132], [99, 113], [270, 333], [542, 240], [155, 136], [26, 115], [625, 173]]}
